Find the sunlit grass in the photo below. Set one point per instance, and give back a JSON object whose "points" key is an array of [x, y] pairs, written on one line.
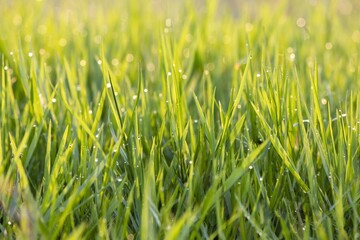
{"points": [[178, 120]]}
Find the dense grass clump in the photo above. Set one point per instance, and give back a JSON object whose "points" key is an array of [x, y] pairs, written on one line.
{"points": [[179, 120]]}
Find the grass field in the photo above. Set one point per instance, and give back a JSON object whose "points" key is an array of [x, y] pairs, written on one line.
{"points": [[180, 120]]}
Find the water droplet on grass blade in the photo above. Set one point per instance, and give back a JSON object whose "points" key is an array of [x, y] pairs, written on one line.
{"points": [[328, 46], [62, 42], [83, 63], [168, 22], [301, 22], [42, 51], [115, 62], [129, 57]]}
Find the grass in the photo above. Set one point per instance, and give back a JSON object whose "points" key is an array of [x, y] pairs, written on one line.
{"points": [[179, 120]]}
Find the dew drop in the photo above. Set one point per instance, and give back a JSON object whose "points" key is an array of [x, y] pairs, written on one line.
{"points": [[42, 51], [301, 22], [115, 62], [62, 42], [83, 63], [292, 56], [328, 46], [168, 22], [129, 57]]}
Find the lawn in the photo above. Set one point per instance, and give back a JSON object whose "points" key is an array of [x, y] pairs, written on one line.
{"points": [[179, 119]]}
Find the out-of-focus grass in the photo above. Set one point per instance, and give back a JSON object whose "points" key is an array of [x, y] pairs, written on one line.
{"points": [[176, 120]]}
